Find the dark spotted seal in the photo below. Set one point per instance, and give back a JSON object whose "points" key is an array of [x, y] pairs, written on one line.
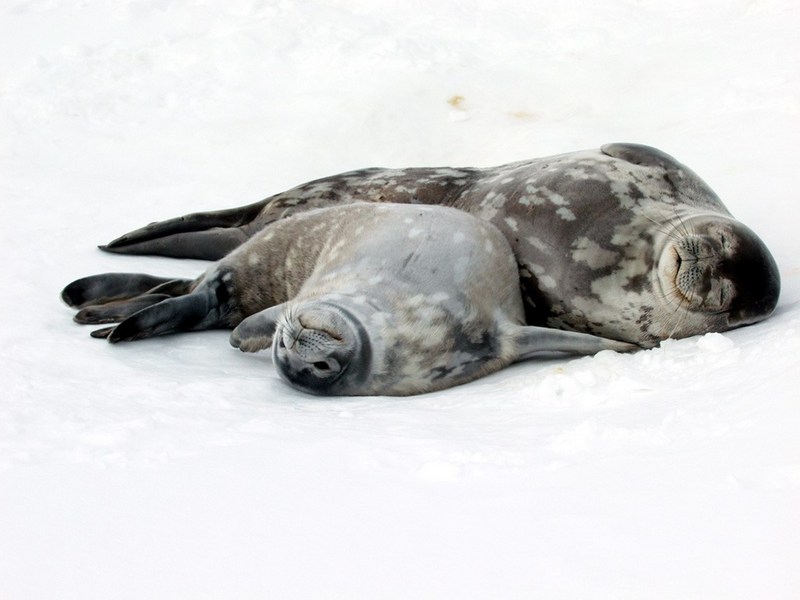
{"points": [[623, 242], [375, 299]]}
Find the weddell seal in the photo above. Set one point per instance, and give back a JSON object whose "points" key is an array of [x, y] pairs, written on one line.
{"points": [[360, 299], [622, 242]]}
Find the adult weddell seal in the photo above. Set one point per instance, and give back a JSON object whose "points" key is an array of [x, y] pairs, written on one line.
{"points": [[360, 299], [623, 242]]}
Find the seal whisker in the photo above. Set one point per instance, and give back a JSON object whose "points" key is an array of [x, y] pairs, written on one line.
{"points": [[680, 316], [682, 225], [669, 233]]}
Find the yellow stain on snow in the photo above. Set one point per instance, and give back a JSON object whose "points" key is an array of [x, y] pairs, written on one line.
{"points": [[524, 115], [456, 101]]}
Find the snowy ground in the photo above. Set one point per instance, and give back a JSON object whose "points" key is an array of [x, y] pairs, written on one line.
{"points": [[180, 468]]}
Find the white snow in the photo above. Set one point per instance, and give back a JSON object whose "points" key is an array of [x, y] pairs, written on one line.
{"points": [[181, 468]]}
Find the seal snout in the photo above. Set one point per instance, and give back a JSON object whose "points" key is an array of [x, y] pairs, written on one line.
{"points": [[695, 260]]}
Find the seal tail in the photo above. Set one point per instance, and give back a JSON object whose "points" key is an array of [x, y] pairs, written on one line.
{"points": [[202, 235]]}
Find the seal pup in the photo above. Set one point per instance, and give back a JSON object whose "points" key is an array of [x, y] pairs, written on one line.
{"points": [[361, 299], [623, 241]]}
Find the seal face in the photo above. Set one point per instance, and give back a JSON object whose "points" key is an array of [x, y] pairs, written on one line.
{"points": [[623, 241], [720, 269], [362, 299], [321, 348]]}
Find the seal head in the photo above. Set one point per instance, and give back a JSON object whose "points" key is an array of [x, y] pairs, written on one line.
{"points": [[717, 269], [322, 348]]}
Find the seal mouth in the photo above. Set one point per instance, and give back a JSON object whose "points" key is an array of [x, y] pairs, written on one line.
{"points": [[690, 270], [687, 272], [669, 272]]}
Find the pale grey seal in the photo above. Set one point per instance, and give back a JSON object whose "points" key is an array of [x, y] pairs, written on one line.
{"points": [[361, 299], [623, 242]]}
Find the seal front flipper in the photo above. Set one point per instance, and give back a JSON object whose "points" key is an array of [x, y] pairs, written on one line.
{"points": [[256, 331], [533, 340], [639, 154], [193, 312], [203, 235], [681, 177]]}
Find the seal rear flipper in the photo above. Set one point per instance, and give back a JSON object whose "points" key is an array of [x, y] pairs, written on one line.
{"points": [[205, 235], [212, 244], [114, 312], [101, 334], [256, 331], [533, 340], [112, 287], [193, 312]]}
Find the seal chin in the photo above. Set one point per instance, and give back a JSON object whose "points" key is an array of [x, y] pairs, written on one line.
{"points": [[320, 348], [718, 266]]}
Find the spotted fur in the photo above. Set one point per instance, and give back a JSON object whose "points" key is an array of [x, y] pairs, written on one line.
{"points": [[602, 238], [358, 299]]}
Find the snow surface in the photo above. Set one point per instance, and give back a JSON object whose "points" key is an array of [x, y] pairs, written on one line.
{"points": [[180, 468]]}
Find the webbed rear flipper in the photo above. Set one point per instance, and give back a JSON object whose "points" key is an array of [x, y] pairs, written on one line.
{"points": [[114, 312], [113, 287], [113, 297], [534, 340], [203, 235], [193, 312]]}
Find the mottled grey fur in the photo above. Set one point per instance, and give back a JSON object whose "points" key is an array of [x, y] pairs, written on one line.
{"points": [[623, 242], [357, 299]]}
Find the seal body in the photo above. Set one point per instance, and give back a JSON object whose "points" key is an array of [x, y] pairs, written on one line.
{"points": [[375, 299], [623, 242]]}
